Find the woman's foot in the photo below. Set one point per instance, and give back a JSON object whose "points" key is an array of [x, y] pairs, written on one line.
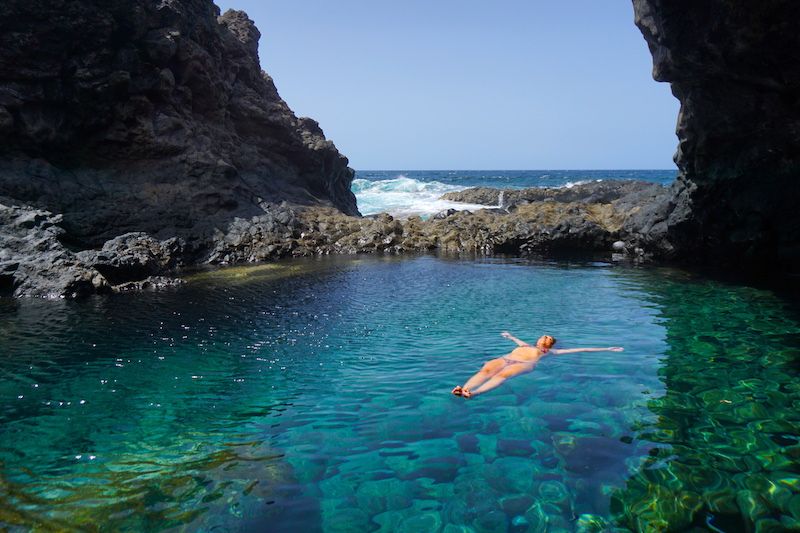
{"points": [[457, 391], [466, 393]]}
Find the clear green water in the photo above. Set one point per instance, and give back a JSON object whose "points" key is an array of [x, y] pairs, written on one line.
{"points": [[314, 396]]}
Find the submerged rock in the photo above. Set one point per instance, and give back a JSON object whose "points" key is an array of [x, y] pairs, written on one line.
{"points": [[149, 283]]}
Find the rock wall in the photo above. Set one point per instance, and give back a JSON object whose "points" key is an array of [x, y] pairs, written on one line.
{"points": [[735, 68], [154, 116]]}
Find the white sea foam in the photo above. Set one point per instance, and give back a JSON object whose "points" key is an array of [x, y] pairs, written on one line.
{"points": [[571, 184], [403, 197]]}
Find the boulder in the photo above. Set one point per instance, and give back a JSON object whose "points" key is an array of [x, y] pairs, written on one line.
{"points": [[34, 262]]}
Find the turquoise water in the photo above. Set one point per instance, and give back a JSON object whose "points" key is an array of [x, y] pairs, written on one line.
{"points": [[418, 192], [314, 396]]}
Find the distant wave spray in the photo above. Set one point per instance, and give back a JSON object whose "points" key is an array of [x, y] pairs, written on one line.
{"points": [[403, 197]]}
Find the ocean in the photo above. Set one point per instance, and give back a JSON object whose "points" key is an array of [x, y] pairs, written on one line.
{"points": [[418, 192]]}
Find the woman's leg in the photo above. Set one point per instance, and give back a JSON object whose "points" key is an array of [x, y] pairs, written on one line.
{"points": [[489, 369], [509, 372]]}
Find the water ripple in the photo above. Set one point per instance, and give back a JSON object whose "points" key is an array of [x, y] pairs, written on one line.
{"points": [[316, 394]]}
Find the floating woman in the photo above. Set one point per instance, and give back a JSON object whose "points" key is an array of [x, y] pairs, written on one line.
{"points": [[520, 361]]}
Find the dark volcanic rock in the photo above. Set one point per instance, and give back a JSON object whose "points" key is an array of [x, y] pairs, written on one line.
{"points": [[35, 262], [259, 238], [735, 68], [134, 115], [587, 218], [134, 257], [150, 283], [602, 192], [534, 228], [146, 135]]}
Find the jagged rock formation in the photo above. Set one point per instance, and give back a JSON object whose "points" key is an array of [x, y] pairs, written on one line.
{"points": [[136, 115], [736, 71], [139, 136], [632, 192], [34, 262], [589, 219]]}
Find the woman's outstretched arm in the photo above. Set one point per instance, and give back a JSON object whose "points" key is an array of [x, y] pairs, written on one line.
{"points": [[512, 338], [576, 350]]}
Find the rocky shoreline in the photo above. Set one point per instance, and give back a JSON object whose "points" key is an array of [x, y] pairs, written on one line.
{"points": [[595, 217], [139, 138]]}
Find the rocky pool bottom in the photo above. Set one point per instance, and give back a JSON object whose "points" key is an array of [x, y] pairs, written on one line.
{"points": [[313, 395]]}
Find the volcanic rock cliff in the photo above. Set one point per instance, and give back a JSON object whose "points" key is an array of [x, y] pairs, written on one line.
{"points": [[138, 137], [152, 116], [735, 67]]}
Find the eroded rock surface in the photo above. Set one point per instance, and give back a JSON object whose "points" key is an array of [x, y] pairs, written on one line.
{"points": [[134, 257], [590, 218], [34, 262], [632, 191], [134, 115], [137, 137], [735, 69]]}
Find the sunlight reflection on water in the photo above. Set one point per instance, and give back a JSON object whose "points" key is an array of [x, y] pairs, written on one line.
{"points": [[314, 395]]}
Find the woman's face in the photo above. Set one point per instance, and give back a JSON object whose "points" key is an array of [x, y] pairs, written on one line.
{"points": [[545, 341]]}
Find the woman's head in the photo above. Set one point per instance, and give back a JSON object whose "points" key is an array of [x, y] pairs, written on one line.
{"points": [[546, 342]]}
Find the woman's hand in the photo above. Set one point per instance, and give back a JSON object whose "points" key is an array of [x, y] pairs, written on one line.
{"points": [[616, 349], [505, 334]]}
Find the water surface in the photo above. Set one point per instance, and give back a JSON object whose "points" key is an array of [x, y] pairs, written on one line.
{"points": [[314, 396]]}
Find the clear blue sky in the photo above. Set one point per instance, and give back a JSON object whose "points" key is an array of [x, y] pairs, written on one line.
{"points": [[467, 84]]}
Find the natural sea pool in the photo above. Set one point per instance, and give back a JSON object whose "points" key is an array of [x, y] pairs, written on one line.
{"points": [[314, 395]]}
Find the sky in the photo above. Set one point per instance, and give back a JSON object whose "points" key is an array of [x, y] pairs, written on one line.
{"points": [[468, 84]]}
